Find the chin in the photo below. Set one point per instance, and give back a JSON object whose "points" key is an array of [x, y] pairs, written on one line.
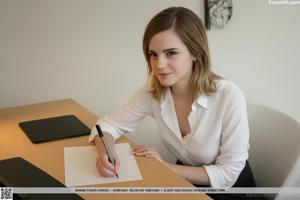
{"points": [[166, 83]]}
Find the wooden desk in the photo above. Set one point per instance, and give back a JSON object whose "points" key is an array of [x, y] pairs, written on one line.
{"points": [[49, 156]]}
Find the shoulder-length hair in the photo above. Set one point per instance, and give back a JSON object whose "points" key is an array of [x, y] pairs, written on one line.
{"points": [[191, 31]]}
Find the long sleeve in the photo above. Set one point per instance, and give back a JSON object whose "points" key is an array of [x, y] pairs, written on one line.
{"points": [[128, 117], [234, 143]]}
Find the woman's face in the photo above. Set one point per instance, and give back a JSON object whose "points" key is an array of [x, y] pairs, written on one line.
{"points": [[170, 60]]}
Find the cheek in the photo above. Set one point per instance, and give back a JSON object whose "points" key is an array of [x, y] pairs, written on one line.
{"points": [[152, 64], [184, 65]]}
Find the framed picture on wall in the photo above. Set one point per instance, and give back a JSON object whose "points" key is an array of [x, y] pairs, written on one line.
{"points": [[217, 13]]}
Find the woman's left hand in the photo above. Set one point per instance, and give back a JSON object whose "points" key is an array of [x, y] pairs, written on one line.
{"points": [[148, 152]]}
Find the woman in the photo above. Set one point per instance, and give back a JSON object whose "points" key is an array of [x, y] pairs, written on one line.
{"points": [[201, 117]]}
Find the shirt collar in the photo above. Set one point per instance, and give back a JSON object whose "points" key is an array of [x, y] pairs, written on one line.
{"points": [[202, 100], [168, 113]]}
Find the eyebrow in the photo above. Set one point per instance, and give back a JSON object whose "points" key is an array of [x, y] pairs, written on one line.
{"points": [[166, 50]]}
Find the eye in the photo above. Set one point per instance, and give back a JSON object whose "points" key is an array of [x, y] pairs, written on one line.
{"points": [[151, 54], [171, 53]]}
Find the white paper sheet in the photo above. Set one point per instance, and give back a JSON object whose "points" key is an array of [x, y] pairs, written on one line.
{"points": [[80, 168]]}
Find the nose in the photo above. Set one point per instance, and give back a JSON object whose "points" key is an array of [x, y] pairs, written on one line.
{"points": [[160, 62]]}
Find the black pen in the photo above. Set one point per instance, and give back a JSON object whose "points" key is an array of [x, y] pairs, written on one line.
{"points": [[110, 158]]}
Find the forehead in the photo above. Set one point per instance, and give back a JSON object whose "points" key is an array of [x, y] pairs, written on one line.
{"points": [[165, 40]]}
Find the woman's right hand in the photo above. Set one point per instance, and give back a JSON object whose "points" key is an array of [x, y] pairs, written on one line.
{"points": [[104, 167]]}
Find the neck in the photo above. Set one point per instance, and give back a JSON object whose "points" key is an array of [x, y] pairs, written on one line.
{"points": [[182, 91]]}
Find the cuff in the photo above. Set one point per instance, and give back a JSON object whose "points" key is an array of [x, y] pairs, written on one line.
{"points": [[216, 178], [105, 127], [92, 135]]}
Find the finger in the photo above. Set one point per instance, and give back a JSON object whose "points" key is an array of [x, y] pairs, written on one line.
{"points": [[154, 155], [151, 156], [145, 153], [102, 170], [139, 149], [117, 164], [106, 164]]}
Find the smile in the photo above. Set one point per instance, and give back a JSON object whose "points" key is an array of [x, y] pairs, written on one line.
{"points": [[164, 75]]}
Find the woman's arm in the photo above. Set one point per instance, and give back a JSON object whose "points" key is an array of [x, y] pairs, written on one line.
{"points": [[127, 117], [118, 123], [195, 175]]}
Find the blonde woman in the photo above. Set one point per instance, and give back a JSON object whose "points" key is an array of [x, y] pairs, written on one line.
{"points": [[202, 118]]}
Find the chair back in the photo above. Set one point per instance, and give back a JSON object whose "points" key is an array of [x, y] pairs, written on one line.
{"points": [[274, 145]]}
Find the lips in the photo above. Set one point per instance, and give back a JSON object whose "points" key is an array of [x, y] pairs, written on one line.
{"points": [[164, 75]]}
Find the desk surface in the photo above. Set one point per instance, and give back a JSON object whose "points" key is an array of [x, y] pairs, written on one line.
{"points": [[49, 156]]}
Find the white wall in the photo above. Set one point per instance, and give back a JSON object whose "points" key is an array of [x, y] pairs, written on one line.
{"points": [[91, 51], [259, 50]]}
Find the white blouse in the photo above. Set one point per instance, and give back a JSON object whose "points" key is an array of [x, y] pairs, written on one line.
{"points": [[219, 138]]}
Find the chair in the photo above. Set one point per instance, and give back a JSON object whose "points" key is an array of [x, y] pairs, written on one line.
{"points": [[274, 146]]}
